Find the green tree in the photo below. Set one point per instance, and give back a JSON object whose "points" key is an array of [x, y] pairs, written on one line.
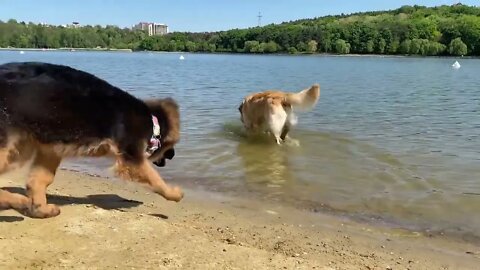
{"points": [[405, 46], [326, 44], [292, 50], [301, 46], [312, 46], [180, 45], [342, 47], [435, 48], [190, 46], [172, 46], [415, 45], [212, 47], [457, 47], [271, 47], [261, 47], [370, 46], [252, 46], [407, 30], [381, 46], [393, 48]]}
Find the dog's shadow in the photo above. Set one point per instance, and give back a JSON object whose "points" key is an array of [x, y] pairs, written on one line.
{"points": [[104, 201], [10, 219]]}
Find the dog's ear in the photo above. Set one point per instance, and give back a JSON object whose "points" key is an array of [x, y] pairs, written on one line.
{"points": [[167, 112]]}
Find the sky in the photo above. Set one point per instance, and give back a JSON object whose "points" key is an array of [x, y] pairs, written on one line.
{"points": [[192, 15]]}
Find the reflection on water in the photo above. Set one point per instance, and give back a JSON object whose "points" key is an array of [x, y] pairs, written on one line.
{"points": [[397, 139], [334, 172], [264, 163]]}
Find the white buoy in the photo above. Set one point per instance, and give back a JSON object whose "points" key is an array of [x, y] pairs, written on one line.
{"points": [[181, 57], [22, 52], [456, 65]]}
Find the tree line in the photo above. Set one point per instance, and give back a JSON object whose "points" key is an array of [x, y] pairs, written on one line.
{"points": [[409, 30]]}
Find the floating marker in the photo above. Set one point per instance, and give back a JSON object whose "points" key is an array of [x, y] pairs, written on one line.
{"points": [[456, 65]]}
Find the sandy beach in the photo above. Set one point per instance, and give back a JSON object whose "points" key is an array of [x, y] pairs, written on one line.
{"points": [[111, 224]]}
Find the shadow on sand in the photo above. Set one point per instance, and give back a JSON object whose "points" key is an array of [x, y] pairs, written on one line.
{"points": [[104, 201]]}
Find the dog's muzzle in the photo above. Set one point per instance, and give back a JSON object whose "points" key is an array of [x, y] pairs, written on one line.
{"points": [[169, 154]]}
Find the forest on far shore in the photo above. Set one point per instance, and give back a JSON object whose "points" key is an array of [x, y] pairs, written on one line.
{"points": [[409, 30]]}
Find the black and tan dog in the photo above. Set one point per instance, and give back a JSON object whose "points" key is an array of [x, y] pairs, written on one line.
{"points": [[49, 112]]}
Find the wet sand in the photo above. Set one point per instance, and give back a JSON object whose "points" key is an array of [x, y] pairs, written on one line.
{"points": [[111, 224]]}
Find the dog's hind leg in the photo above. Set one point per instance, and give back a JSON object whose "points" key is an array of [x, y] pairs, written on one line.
{"points": [[42, 173], [285, 130], [10, 200], [291, 121], [276, 123], [15, 201]]}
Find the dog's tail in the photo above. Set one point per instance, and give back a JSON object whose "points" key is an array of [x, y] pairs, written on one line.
{"points": [[304, 100]]}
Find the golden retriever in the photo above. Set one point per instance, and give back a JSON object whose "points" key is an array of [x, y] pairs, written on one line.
{"points": [[273, 110]]}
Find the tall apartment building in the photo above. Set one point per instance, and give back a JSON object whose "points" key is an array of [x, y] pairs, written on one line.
{"points": [[152, 28]]}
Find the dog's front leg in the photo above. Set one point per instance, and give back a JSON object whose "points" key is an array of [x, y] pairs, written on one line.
{"points": [[158, 184], [145, 173], [41, 176]]}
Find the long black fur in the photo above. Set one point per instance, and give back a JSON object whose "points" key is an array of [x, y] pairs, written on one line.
{"points": [[59, 104]]}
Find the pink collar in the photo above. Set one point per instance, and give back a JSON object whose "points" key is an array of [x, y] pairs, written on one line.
{"points": [[154, 142]]}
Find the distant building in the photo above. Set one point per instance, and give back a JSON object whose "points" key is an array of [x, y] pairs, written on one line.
{"points": [[160, 29], [45, 24], [141, 26], [73, 25], [153, 29]]}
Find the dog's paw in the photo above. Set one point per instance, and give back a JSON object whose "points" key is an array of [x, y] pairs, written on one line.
{"points": [[174, 194], [43, 211]]}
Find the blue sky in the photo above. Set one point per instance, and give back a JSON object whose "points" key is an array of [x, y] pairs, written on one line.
{"points": [[191, 15]]}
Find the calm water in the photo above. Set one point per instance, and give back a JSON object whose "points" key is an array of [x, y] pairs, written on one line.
{"points": [[392, 139]]}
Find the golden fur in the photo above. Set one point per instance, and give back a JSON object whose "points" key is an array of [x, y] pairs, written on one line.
{"points": [[272, 111]]}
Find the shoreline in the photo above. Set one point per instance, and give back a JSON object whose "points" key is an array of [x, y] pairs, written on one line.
{"points": [[240, 53], [66, 49], [315, 208], [109, 223]]}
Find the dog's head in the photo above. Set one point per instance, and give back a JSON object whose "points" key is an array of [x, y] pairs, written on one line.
{"points": [[168, 115]]}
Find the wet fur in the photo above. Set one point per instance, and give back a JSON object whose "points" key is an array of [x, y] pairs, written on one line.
{"points": [[49, 112], [273, 111]]}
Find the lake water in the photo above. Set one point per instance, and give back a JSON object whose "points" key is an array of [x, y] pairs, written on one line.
{"points": [[394, 140]]}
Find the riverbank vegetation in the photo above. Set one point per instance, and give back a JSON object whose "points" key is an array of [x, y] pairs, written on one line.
{"points": [[409, 30]]}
